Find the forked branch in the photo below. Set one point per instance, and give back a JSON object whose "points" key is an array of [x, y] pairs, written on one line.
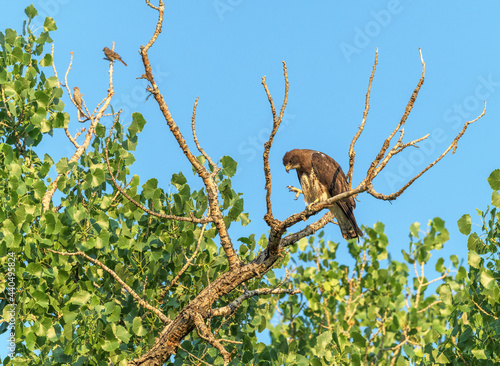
{"points": [[277, 119]]}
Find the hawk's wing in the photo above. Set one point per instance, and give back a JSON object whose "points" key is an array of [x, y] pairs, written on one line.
{"points": [[330, 175]]}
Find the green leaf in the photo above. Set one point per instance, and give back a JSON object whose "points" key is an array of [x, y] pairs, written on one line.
{"points": [[111, 345], [474, 259], [475, 243], [62, 166], [322, 342], [49, 24], [149, 188], [487, 279], [137, 124], [358, 339], [122, 334], [80, 298], [46, 61], [31, 12], [479, 354], [464, 224], [302, 244], [138, 328], [494, 179], [495, 199], [228, 166], [178, 180], [41, 299], [414, 229]]}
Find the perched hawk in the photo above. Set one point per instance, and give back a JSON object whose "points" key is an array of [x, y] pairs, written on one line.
{"points": [[321, 178]]}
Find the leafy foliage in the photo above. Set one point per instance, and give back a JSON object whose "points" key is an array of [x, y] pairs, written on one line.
{"points": [[382, 311]]}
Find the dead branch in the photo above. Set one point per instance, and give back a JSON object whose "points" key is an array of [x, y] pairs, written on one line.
{"points": [[267, 146], [408, 109], [229, 309], [195, 138], [194, 315], [207, 335], [47, 198], [113, 274], [208, 179], [352, 153], [453, 146]]}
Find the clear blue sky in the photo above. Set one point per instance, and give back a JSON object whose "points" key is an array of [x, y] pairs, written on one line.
{"points": [[219, 50]]}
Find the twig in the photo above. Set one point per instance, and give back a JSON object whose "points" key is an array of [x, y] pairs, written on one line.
{"points": [[482, 310], [408, 109], [267, 146], [233, 305], [113, 274], [186, 265], [205, 334], [200, 149], [352, 153]]}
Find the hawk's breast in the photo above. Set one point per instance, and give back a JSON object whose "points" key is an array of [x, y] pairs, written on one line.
{"points": [[312, 188]]}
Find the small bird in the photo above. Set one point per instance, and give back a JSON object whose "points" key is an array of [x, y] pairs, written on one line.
{"points": [[112, 56], [77, 97]]}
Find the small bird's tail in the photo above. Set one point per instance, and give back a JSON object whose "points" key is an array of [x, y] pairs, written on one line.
{"points": [[123, 62]]}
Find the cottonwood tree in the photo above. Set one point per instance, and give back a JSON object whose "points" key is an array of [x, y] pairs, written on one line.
{"points": [[123, 273]]}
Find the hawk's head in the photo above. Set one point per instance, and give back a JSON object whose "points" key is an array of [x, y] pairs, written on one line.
{"points": [[292, 159]]}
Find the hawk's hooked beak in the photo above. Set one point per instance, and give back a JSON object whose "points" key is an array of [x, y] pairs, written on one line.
{"points": [[287, 168]]}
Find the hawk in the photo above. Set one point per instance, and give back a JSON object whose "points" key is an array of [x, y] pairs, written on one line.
{"points": [[321, 177]]}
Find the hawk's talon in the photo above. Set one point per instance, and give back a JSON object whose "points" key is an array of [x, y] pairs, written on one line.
{"points": [[308, 207], [296, 190]]}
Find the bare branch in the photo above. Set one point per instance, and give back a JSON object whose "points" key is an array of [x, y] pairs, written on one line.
{"points": [[235, 304], [483, 311], [113, 274], [410, 182], [47, 198], [208, 179], [352, 153], [200, 149], [205, 333], [267, 146], [408, 109]]}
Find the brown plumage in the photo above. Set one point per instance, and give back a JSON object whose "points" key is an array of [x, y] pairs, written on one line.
{"points": [[77, 97], [321, 177], [112, 55]]}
